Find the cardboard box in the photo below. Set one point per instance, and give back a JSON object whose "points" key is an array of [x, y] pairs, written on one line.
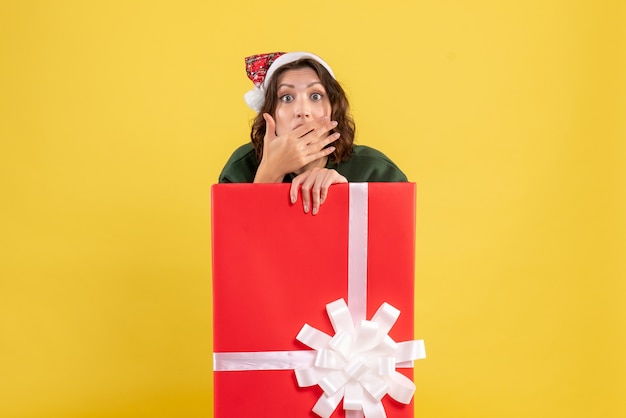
{"points": [[276, 268]]}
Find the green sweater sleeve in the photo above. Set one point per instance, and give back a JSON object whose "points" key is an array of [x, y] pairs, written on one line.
{"points": [[369, 165], [241, 166]]}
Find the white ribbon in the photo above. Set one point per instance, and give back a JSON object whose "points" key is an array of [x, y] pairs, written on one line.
{"points": [[358, 364], [357, 250]]}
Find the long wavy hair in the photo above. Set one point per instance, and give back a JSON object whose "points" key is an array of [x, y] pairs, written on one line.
{"points": [[340, 110]]}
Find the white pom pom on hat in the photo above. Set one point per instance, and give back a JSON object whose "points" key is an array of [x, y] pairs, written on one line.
{"points": [[260, 69], [255, 98]]}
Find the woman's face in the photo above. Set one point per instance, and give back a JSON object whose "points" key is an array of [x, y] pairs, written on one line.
{"points": [[301, 98]]}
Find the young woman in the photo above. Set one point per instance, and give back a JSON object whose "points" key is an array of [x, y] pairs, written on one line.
{"points": [[303, 133]]}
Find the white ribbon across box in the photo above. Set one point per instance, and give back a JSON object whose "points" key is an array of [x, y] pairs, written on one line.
{"points": [[358, 364]]}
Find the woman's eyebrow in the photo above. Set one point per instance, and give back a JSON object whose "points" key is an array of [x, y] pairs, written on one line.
{"points": [[293, 87]]}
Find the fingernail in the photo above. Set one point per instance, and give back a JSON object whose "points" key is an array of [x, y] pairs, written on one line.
{"points": [[293, 200], [334, 123], [337, 134], [306, 209], [314, 211]]}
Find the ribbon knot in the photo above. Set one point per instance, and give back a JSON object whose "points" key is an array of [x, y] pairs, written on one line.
{"points": [[358, 364]]}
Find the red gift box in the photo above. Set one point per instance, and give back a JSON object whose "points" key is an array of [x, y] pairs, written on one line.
{"points": [[276, 268]]}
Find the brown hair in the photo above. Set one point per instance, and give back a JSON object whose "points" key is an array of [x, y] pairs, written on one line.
{"points": [[339, 109]]}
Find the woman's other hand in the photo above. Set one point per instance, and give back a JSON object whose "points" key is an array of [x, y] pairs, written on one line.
{"points": [[314, 184], [292, 151]]}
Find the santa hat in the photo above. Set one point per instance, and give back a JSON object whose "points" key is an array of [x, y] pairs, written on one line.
{"points": [[260, 69]]}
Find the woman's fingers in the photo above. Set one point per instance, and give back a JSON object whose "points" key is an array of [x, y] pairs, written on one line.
{"points": [[295, 187], [324, 141], [313, 130], [299, 183], [270, 126], [311, 191], [332, 177], [315, 143], [319, 188], [314, 185]]}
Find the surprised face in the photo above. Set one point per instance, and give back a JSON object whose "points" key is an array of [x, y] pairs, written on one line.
{"points": [[301, 98]]}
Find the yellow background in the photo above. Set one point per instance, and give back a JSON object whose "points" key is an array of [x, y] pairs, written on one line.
{"points": [[117, 116]]}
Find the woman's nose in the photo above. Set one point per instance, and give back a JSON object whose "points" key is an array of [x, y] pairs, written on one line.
{"points": [[303, 110]]}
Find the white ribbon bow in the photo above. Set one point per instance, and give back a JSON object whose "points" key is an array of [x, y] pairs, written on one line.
{"points": [[358, 364]]}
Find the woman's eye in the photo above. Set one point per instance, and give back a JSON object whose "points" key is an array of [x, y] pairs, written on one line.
{"points": [[286, 98], [316, 97]]}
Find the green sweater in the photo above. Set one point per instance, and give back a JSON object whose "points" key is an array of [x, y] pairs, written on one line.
{"points": [[365, 165]]}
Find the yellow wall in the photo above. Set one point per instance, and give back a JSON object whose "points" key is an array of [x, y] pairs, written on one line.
{"points": [[116, 117]]}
